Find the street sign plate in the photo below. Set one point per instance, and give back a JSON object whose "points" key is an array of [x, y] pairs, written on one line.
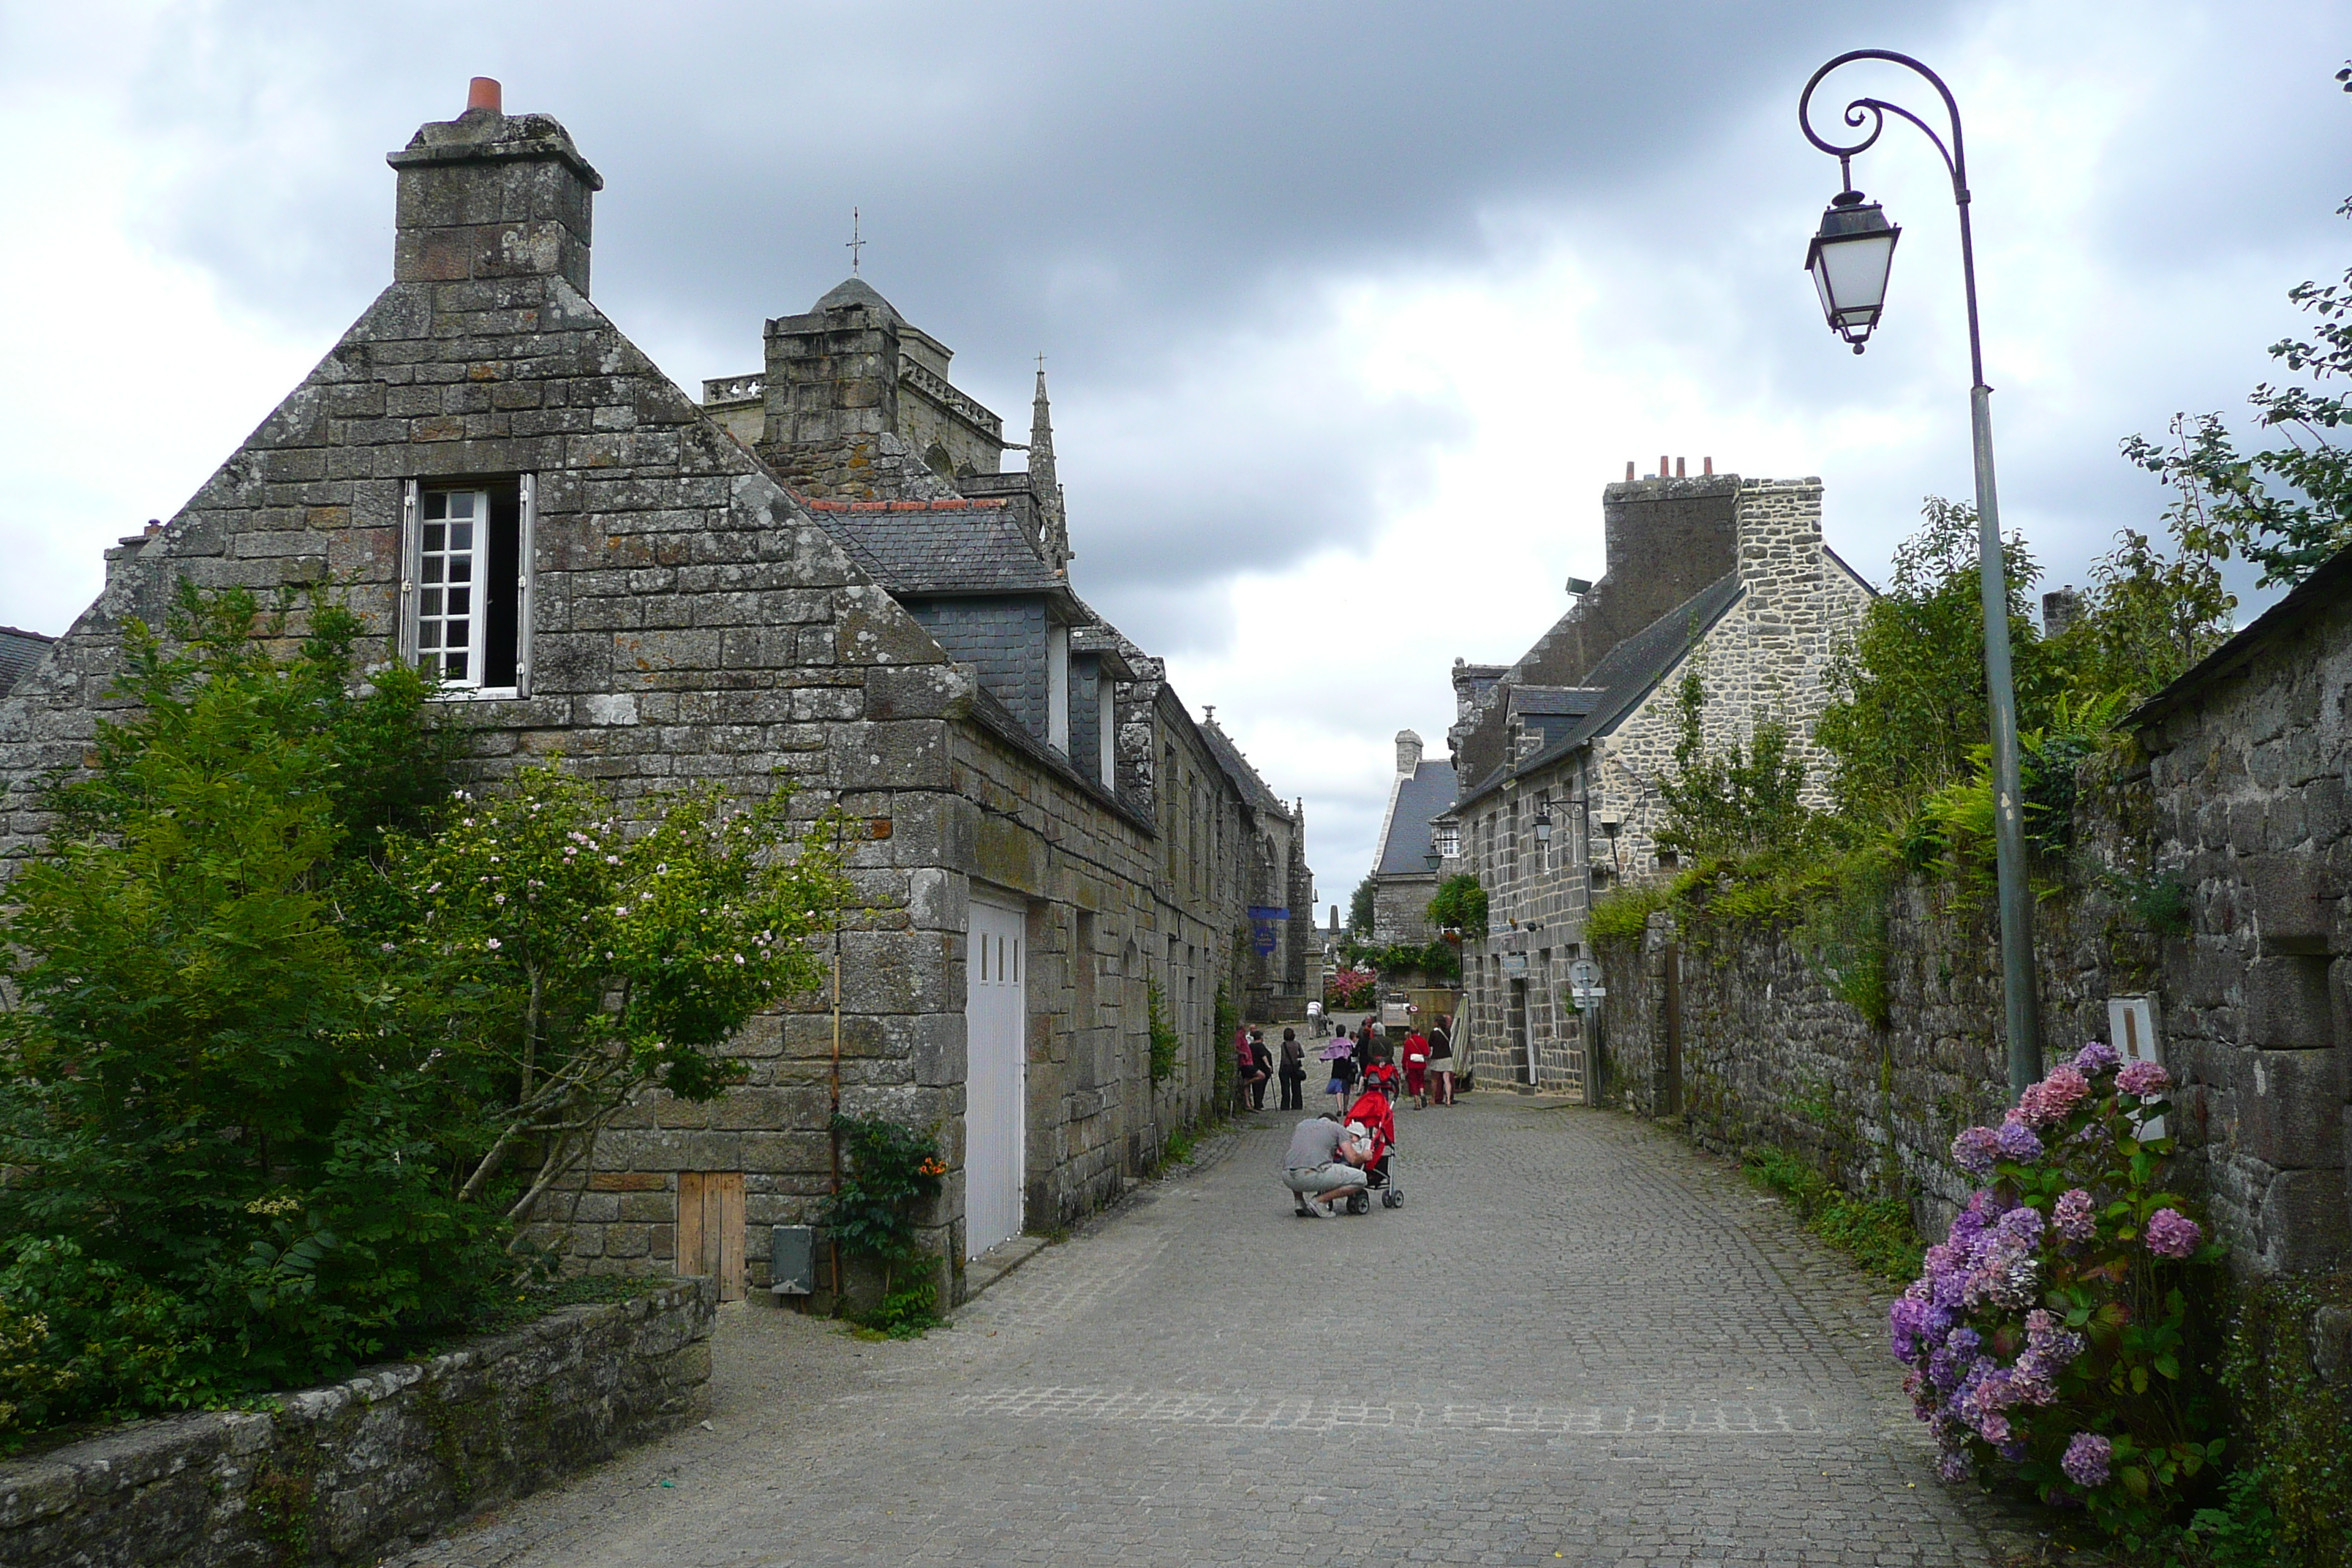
{"points": [[1264, 941], [1583, 973]]}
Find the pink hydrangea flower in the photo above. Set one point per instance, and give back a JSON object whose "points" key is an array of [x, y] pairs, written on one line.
{"points": [[2054, 1098], [2073, 1216], [2171, 1234], [2143, 1077]]}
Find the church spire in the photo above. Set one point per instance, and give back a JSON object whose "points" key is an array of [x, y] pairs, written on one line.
{"points": [[1053, 523]]}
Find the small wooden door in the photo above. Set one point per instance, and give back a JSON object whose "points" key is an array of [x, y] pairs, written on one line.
{"points": [[710, 1228]]}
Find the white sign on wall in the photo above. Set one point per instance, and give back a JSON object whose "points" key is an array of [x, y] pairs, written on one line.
{"points": [[2131, 1029]]}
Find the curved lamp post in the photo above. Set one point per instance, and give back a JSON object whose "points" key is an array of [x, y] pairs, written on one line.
{"points": [[1849, 259]]}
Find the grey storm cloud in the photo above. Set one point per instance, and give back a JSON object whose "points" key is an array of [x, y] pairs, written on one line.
{"points": [[1110, 184]]}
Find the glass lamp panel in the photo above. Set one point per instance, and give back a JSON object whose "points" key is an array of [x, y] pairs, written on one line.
{"points": [[1852, 273]]}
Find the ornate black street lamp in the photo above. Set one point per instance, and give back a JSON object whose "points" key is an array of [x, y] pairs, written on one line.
{"points": [[1849, 259]]}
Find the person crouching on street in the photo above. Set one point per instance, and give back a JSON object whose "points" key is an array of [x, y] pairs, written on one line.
{"points": [[1324, 1165]]}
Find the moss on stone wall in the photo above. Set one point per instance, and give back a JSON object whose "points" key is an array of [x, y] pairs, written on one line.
{"points": [[2288, 1368]]}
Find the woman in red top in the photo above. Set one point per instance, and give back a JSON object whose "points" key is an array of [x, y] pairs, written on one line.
{"points": [[1416, 1068]]}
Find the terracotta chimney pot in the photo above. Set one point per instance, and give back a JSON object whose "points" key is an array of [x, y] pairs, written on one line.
{"points": [[483, 92]]}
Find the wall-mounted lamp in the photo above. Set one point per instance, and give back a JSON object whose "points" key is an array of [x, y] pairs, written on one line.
{"points": [[1543, 826]]}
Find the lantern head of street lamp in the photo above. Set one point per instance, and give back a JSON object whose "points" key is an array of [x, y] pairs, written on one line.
{"points": [[1849, 259], [1543, 828]]}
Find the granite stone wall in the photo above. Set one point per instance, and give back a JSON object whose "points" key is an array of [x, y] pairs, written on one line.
{"points": [[344, 1473], [1742, 1039]]}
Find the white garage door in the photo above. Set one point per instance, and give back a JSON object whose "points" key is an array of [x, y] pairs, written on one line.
{"points": [[996, 1076]]}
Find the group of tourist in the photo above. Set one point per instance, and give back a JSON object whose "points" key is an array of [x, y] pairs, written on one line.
{"points": [[1427, 1059]]}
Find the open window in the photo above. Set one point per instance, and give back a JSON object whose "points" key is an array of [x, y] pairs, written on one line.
{"points": [[465, 581]]}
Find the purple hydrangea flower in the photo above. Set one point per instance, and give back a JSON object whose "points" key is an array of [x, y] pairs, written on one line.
{"points": [[2145, 1078], [1907, 1322], [2016, 1141], [2096, 1057], [2014, 1451], [1974, 1152], [1953, 1464], [2088, 1458], [2074, 1217], [2022, 1224], [2171, 1234]]}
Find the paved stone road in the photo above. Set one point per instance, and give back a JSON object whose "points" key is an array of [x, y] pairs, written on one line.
{"points": [[1577, 1342]]}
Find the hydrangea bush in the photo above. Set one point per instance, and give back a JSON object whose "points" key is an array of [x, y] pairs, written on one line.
{"points": [[2048, 1337]]}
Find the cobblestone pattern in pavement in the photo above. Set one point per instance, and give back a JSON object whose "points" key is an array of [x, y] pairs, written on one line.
{"points": [[1578, 1341]]}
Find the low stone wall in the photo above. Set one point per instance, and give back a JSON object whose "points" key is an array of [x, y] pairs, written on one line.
{"points": [[342, 1472], [1749, 1045]]}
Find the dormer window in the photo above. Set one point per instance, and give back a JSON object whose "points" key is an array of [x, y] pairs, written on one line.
{"points": [[465, 584]]}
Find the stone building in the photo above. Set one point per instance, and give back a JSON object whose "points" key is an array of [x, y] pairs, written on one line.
{"points": [[1402, 883], [2250, 761], [1279, 968], [821, 571], [1560, 753]]}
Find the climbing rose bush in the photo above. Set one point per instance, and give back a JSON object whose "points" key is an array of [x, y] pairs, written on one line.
{"points": [[2046, 1339]]}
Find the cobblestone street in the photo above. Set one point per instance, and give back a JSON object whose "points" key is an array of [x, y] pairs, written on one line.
{"points": [[1578, 1341]]}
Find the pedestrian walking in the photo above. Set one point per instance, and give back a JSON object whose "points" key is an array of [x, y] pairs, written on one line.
{"points": [[1416, 1068], [1294, 1072], [1343, 1067], [1247, 1076], [1261, 1068], [1440, 1058]]}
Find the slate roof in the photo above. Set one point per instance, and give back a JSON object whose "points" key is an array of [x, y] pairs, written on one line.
{"points": [[1253, 790], [1631, 670], [1419, 799], [1556, 701], [921, 547], [19, 651]]}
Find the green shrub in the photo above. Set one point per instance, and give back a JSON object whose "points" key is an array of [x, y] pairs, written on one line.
{"points": [[890, 1172], [1166, 1042], [1620, 916], [1460, 903], [1876, 1233], [284, 1011], [2291, 1422]]}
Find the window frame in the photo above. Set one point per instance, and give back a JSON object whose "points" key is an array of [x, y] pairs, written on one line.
{"points": [[412, 548]]}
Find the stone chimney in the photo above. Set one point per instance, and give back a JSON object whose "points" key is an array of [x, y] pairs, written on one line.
{"points": [[490, 195], [832, 372], [1408, 746], [2061, 609]]}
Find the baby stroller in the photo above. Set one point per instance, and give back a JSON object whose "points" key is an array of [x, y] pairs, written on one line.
{"points": [[1379, 1118]]}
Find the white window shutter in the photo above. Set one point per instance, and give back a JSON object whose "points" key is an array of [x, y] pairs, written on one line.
{"points": [[410, 536], [526, 572]]}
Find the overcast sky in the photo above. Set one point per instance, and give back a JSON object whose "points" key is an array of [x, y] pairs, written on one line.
{"points": [[1350, 309]]}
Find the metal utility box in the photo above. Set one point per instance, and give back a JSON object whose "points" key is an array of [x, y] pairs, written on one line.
{"points": [[791, 1259]]}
